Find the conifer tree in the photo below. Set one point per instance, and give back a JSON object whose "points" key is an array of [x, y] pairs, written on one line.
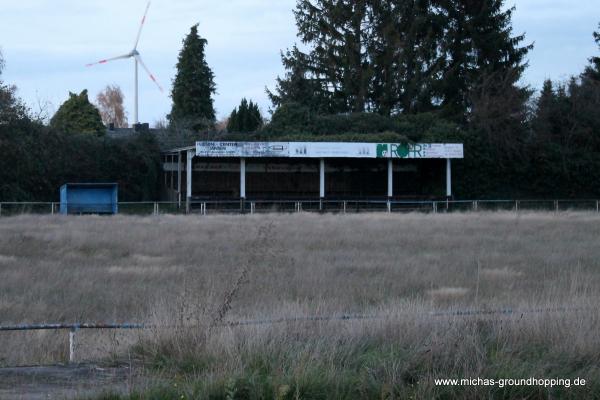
{"points": [[245, 118], [593, 71], [193, 86], [78, 115], [480, 57]]}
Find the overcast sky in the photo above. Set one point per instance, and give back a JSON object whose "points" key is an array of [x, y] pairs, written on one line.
{"points": [[46, 44]]}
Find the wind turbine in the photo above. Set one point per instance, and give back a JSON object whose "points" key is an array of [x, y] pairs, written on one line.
{"points": [[137, 60]]}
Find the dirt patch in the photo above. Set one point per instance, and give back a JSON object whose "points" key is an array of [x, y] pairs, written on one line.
{"points": [[63, 381]]}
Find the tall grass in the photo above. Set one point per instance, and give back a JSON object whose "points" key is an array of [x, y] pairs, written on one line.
{"points": [[189, 276]]}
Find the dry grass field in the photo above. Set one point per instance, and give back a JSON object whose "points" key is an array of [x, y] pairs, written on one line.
{"points": [[189, 276]]}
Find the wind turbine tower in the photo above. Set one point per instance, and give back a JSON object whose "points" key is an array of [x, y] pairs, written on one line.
{"points": [[137, 59]]}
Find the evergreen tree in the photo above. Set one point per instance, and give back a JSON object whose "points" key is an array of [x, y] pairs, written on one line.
{"points": [[245, 118], [404, 57], [300, 86], [78, 115], [479, 54], [193, 86], [593, 71], [403, 49], [336, 67]]}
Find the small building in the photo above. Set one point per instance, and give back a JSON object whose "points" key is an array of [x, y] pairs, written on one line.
{"points": [[89, 198], [310, 170]]}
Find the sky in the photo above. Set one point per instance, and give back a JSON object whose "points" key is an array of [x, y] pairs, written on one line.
{"points": [[47, 43]]}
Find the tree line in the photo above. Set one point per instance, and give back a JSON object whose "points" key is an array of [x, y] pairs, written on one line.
{"points": [[378, 70]]}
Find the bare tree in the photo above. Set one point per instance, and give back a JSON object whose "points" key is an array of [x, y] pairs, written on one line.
{"points": [[110, 105]]}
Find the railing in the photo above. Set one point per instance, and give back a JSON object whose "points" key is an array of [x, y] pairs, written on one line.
{"points": [[72, 328], [247, 206], [456, 313]]}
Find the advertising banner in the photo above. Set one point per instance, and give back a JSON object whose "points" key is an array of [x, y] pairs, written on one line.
{"points": [[332, 149], [329, 150], [420, 150], [242, 149]]}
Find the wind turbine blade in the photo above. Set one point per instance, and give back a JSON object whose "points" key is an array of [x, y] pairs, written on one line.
{"points": [[139, 59], [109, 59], [137, 39]]}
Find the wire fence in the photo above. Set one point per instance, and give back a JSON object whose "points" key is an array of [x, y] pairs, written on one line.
{"points": [[245, 206]]}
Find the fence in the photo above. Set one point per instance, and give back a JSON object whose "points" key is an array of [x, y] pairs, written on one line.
{"points": [[73, 328], [319, 205]]}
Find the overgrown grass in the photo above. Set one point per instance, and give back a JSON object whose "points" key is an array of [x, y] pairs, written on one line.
{"points": [[188, 276]]}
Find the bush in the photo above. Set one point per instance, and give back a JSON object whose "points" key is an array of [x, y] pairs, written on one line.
{"points": [[37, 161]]}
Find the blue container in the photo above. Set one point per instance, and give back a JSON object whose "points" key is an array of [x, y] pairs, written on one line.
{"points": [[89, 198]]}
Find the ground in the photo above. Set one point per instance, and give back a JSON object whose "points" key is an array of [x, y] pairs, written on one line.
{"points": [[354, 306]]}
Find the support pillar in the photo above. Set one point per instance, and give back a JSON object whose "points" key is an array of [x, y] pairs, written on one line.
{"points": [[243, 178], [188, 175], [390, 178], [178, 179], [448, 178], [172, 173], [322, 178]]}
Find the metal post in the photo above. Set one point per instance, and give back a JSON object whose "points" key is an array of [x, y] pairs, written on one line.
{"points": [[72, 345], [448, 178], [517, 205], [0, 209], [322, 178], [390, 178], [252, 207], [172, 173], [597, 206], [52, 208], [178, 179], [433, 205], [556, 205], [242, 178], [389, 206], [155, 208], [135, 110], [345, 205], [188, 175]]}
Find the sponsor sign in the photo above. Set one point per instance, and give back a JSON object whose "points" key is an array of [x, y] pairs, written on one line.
{"points": [[332, 149], [329, 150], [242, 149], [420, 150]]}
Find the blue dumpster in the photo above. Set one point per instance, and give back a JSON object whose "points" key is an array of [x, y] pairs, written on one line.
{"points": [[89, 198]]}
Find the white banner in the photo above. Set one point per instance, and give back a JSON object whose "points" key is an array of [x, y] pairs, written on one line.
{"points": [[242, 149], [332, 149], [420, 150], [329, 150]]}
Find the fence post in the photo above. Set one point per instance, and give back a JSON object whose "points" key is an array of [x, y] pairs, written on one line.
{"points": [[0, 209], [555, 205], [345, 204], [517, 205], [597, 206], [52, 208], [252, 207], [389, 206], [72, 345]]}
